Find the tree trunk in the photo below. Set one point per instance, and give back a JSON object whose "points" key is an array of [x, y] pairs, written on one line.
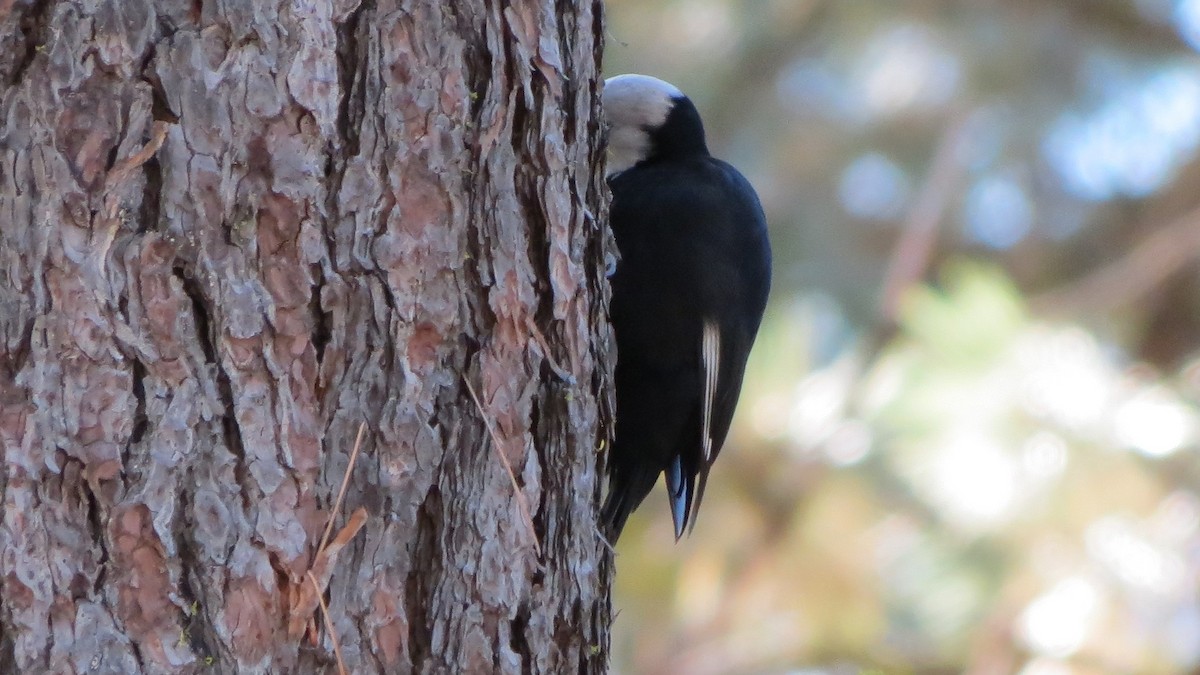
{"points": [[232, 232]]}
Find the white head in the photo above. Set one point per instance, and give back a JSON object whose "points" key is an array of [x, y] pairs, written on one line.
{"points": [[633, 106]]}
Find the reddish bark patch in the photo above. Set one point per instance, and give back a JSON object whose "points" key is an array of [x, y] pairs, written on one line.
{"points": [[143, 583]]}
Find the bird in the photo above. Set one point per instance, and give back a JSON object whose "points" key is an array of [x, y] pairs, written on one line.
{"points": [[688, 295]]}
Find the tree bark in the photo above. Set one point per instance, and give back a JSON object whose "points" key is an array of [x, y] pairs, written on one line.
{"points": [[232, 232]]}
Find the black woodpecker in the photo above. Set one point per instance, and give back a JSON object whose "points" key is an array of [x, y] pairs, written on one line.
{"points": [[687, 296]]}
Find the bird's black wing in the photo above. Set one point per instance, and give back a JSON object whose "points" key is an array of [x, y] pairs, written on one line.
{"points": [[716, 415], [732, 319]]}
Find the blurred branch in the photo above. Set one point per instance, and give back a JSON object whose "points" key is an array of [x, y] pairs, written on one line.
{"points": [[1120, 20], [914, 249], [759, 64], [1131, 277]]}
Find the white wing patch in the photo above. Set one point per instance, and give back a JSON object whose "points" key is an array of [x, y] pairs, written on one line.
{"points": [[710, 356]]}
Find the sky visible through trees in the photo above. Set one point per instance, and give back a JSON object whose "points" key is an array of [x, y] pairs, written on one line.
{"points": [[968, 441]]}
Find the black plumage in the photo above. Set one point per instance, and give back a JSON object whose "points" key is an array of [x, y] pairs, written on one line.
{"points": [[688, 295]]}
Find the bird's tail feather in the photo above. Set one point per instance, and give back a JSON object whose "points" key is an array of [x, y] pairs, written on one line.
{"points": [[627, 494], [679, 495]]}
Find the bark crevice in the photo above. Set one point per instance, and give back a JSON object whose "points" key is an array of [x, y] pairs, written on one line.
{"points": [[519, 640], [33, 26], [198, 629], [140, 421], [351, 65], [8, 660], [322, 330], [96, 519], [417, 592], [205, 336], [148, 216]]}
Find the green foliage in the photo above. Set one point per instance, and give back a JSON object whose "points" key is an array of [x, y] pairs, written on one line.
{"points": [[968, 322]]}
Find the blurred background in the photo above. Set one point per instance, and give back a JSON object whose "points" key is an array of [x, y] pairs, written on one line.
{"points": [[968, 440]]}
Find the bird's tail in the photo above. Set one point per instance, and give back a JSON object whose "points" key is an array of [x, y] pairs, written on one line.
{"points": [[679, 491], [625, 494]]}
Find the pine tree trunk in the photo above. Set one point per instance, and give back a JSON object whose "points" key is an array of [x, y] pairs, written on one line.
{"points": [[231, 233]]}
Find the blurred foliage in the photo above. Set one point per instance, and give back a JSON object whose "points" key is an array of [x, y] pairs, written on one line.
{"points": [[967, 441]]}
